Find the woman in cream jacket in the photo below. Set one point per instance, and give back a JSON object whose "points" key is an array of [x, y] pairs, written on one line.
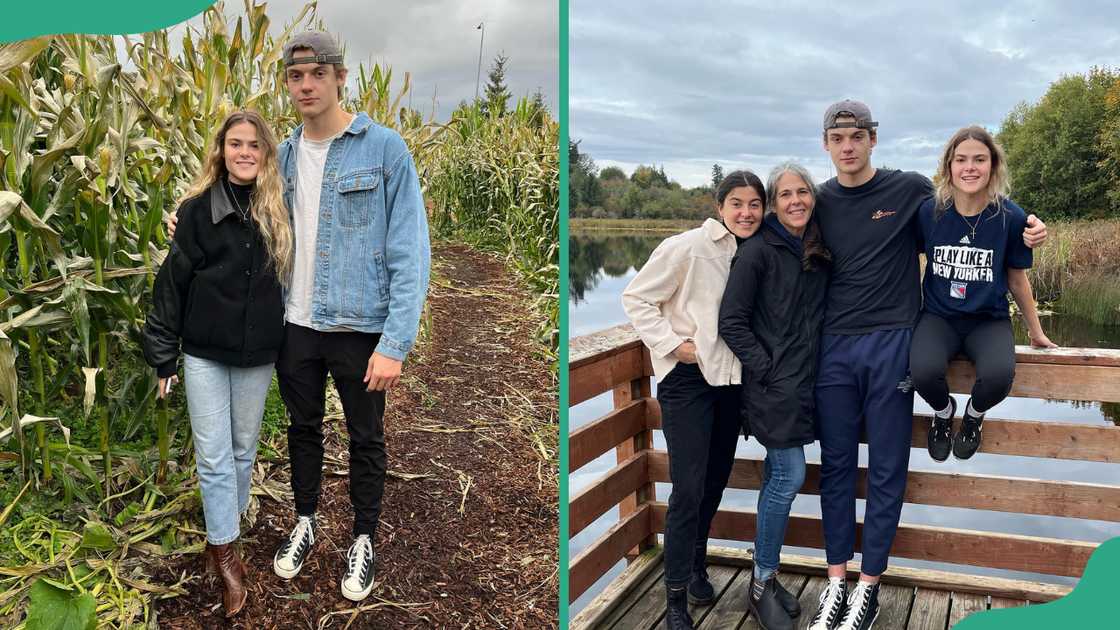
{"points": [[673, 303]]}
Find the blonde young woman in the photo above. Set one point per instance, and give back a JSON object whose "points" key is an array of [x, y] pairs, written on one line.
{"points": [[219, 296], [974, 255]]}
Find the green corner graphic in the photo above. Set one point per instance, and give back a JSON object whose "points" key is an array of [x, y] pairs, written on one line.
{"points": [[1091, 604], [53, 17]]}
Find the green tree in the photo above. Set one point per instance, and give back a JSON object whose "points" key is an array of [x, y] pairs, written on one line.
{"points": [[584, 189], [497, 95], [717, 175], [611, 173], [649, 177], [1054, 148]]}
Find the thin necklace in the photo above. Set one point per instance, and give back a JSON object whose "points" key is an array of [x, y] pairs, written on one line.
{"points": [[972, 227], [241, 212]]}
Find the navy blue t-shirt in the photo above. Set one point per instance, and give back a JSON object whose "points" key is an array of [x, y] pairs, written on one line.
{"points": [[966, 273]]}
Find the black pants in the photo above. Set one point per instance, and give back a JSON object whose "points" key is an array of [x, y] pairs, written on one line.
{"points": [[989, 343], [305, 360], [701, 426]]}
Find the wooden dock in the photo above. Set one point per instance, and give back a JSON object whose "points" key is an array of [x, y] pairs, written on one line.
{"points": [[615, 361]]}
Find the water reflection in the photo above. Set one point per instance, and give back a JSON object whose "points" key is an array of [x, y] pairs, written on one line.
{"points": [[593, 255]]}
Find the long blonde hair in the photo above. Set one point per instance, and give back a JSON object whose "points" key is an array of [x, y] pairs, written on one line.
{"points": [[999, 183], [267, 205]]}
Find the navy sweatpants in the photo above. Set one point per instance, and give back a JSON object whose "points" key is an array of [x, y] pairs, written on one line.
{"points": [[862, 383]]}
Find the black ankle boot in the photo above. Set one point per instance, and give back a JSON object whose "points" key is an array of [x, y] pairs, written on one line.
{"points": [[700, 589], [787, 599], [766, 607], [676, 609]]}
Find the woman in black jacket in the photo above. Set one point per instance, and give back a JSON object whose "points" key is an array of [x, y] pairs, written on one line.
{"points": [[219, 293], [771, 318]]}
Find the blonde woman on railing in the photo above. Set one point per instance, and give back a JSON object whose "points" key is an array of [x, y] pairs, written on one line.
{"points": [[673, 303]]}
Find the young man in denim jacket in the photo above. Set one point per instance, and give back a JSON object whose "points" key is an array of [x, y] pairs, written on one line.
{"points": [[360, 276]]}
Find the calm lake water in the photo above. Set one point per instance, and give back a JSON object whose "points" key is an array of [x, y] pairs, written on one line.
{"points": [[601, 265]]}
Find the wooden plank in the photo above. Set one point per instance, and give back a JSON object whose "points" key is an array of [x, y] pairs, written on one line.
{"points": [[1018, 590], [720, 576], [1028, 438], [599, 436], [624, 394], [613, 601], [1007, 602], [731, 608], [586, 348], [646, 612], [594, 378], [981, 492], [923, 542], [618, 483], [1032, 438], [961, 605], [894, 605], [1051, 381], [601, 555], [930, 610], [597, 345]]}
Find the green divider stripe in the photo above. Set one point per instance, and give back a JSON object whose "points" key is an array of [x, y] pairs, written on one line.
{"points": [[24, 19]]}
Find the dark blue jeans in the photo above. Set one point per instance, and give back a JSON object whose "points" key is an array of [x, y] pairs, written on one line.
{"points": [[783, 475], [862, 383], [701, 426]]}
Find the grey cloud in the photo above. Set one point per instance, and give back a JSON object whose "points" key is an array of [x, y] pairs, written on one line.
{"points": [[437, 42], [692, 83]]}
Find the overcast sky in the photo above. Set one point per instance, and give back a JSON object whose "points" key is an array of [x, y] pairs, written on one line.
{"points": [[745, 84], [437, 41]]}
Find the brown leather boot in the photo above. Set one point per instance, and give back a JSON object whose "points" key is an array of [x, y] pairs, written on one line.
{"points": [[224, 560]]}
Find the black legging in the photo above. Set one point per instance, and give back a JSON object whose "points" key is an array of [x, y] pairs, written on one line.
{"points": [[990, 345]]}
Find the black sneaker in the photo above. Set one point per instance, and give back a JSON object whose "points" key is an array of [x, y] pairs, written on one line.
{"points": [[830, 606], [290, 556], [700, 589], [967, 440], [767, 611], [358, 581], [940, 438], [863, 607], [676, 610]]}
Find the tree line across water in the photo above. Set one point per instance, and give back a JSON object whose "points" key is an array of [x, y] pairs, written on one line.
{"points": [[1063, 153]]}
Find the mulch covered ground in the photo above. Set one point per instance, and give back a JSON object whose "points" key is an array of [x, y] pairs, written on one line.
{"points": [[468, 537]]}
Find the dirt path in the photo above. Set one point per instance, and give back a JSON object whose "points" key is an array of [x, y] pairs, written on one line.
{"points": [[468, 537]]}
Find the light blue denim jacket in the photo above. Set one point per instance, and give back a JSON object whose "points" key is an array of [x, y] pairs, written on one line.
{"points": [[373, 254]]}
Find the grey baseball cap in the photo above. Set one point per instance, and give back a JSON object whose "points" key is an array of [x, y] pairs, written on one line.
{"points": [[853, 109], [324, 44]]}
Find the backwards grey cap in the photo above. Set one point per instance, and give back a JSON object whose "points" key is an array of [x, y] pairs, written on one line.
{"points": [[324, 44], [848, 108]]}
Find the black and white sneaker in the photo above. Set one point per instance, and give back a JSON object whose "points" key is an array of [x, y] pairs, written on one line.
{"points": [[358, 581], [940, 438], [290, 556], [830, 607], [967, 440], [863, 607]]}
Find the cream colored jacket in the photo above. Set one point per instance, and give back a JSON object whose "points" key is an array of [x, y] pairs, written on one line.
{"points": [[675, 298]]}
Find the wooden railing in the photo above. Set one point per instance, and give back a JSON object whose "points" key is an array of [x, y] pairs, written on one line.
{"points": [[615, 360]]}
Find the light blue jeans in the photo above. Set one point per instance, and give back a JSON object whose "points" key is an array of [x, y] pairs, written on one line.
{"points": [[226, 405], [783, 475]]}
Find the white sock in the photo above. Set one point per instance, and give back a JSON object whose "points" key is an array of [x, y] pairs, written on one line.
{"points": [[972, 410], [945, 413]]}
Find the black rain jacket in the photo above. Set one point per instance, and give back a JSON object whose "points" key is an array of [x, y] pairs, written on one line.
{"points": [[770, 317], [217, 290]]}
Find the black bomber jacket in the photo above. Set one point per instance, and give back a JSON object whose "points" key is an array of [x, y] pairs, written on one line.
{"points": [[217, 290]]}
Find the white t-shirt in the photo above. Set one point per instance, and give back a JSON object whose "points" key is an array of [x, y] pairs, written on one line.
{"points": [[311, 159]]}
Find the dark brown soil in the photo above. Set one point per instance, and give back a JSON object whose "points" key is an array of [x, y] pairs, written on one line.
{"points": [[468, 537]]}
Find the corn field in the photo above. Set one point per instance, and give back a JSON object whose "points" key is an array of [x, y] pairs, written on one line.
{"points": [[98, 138]]}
